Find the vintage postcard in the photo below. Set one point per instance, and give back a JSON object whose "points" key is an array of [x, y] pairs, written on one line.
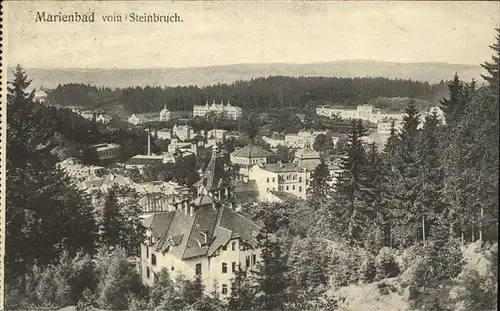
{"points": [[249, 155]]}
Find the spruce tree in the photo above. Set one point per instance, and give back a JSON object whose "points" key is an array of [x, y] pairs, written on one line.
{"points": [[111, 223], [45, 213], [408, 168], [270, 281], [493, 67], [241, 298], [355, 195], [455, 93], [319, 189], [428, 204]]}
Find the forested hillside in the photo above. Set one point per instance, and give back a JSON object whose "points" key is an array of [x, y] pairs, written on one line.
{"points": [[261, 93]]}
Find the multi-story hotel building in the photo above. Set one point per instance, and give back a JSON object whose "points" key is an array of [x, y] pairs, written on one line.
{"points": [[232, 112]]}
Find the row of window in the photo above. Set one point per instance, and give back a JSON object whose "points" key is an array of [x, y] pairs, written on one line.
{"points": [[248, 260], [288, 188]]}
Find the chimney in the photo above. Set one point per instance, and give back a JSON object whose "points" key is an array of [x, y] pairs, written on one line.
{"points": [[149, 141], [245, 178], [280, 164]]}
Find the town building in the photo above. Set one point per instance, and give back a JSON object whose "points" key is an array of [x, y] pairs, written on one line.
{"points": [[249, 155], [103, 118], [106, 152], [282, 180], [183, 132], [141, 118], [301, 140], [165, 114], [164, 134], [364, 112], [384, 127], [203, 238], [40, 96], [232, 112], [176, 145]]}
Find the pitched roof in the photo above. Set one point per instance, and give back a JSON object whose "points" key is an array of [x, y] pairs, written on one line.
{"points": [[215, 176], [203, 233], [251, 151], [307, 154]]}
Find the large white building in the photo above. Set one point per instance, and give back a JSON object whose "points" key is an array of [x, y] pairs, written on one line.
{"points": [[232, 112], [165, 114], [202, 238], [280, 180], [363, 112], [301, 140]]}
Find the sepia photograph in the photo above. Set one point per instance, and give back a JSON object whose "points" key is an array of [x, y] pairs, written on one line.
{"points": [[249, 155]]}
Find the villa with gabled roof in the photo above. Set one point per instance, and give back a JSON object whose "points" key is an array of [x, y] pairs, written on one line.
{"points": [[204, 237]]}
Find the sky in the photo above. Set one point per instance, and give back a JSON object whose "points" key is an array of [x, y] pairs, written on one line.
{"points": [[223, 33]]}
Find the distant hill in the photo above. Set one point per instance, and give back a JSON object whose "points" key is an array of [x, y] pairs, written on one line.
{"points": [[430, 72]]}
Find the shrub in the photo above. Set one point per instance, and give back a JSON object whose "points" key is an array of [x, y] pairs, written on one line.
{"points": [[385, 264], [367, 270], [345, 265]]}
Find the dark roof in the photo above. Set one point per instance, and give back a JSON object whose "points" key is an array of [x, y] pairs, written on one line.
{"points": [[280, 167], [245, 186], [251, 151], [201, 234], [142, 161], [215, 176]]}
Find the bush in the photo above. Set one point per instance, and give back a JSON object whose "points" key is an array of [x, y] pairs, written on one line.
{"points": [[367, 270], [385, 264], [345, 264]]}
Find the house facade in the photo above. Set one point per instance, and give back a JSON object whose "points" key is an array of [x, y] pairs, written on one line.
{"points": [[165, 114], [278, 180], [203, 238]]}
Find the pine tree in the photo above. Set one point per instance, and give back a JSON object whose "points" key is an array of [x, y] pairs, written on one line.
{"points": [[493, 67], [270, 281]]}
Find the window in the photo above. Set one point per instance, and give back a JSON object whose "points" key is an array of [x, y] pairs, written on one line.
{"points": [[254, 259], [172, 268], [294, 176], [224, 289], [153, 259], [300, 179], [234, 246], [287, 188], [293, 187], [274, 179], [224, 267], [233, 266], [147, 251], [267, 179], [147, 272], [224, 248], [198, 269], [247, 261], [300, 188]]}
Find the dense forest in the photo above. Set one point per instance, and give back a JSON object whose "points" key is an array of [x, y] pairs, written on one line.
{"points": [[400, 218], [261, 93]]}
